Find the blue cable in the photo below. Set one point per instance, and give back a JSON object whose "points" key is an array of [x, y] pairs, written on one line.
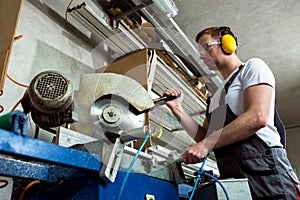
{"points": [[222, 186], [198, 178], [200, 172], [132, 163]]}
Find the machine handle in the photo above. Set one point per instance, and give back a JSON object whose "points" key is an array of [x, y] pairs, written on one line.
{"points": [[157, 102], [163, 99]]}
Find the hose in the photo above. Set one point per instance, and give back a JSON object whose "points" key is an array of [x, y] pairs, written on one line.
{"points": [[200, 172], [132, 163]]}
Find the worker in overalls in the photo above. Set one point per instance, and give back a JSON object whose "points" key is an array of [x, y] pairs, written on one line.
{"points": [[242, 126]]}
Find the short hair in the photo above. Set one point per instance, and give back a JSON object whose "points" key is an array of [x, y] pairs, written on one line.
{"points": [[214, 32]]}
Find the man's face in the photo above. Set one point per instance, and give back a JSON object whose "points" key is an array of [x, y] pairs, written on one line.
{"points": [[208, 50]]}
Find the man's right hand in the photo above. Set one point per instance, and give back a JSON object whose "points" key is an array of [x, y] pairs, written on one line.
{"points": [[176, 103]]}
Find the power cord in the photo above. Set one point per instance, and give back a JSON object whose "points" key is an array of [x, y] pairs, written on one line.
{"points": [[200, 172], [1, 107], [4, 183]]}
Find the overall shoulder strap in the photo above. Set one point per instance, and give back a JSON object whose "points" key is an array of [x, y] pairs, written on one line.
{"points": [[229, 82], [280, 128], [227, 85]]}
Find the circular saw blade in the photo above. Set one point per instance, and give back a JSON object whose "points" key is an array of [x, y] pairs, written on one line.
{"points": [[113, 113]]}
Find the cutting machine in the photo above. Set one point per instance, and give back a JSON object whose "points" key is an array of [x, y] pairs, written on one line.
{"points": [[113, 109], [112, 112]]}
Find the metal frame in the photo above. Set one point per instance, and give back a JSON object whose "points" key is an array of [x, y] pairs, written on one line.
{"points": [[38, 150]]}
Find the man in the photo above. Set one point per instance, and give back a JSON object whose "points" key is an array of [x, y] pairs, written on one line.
{"points": [[240, 126]]}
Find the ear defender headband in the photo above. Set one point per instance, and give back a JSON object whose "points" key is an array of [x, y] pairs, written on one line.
{"points": [[228, 41]]}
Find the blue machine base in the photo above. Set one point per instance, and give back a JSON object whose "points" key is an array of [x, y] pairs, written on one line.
{"points": [[67, 174], [90, 187]]}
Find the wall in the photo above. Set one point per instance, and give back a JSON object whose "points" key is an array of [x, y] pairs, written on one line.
{"points": [[293, 147], [46, 44]]}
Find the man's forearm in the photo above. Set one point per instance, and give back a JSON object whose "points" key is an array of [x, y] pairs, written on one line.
{"points": [[193, 128]]}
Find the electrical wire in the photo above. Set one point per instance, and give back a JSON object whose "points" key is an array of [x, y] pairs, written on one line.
{"points": [[1, 107], [4, 183], [132, 163], [16, 105], [66, 13], [28, 187], [16, 82], [200, 172], [222, 186]]}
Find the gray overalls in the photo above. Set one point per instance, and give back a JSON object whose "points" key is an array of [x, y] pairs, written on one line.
{"points": [[269, 172]]}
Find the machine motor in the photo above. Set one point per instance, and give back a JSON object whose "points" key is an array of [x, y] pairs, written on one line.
{"points": [[49, 98]]}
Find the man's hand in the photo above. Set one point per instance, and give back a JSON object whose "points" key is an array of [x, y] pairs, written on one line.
{"points": [[197, 152], [176, 103]]}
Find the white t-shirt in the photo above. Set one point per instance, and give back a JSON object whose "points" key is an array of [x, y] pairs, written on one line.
{"points": [[255, 71]]}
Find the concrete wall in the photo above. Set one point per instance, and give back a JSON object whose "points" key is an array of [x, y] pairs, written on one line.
{"points": [[293, 147], [46, 44]]}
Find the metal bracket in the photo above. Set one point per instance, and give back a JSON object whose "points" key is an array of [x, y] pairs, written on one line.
{"points": [[114, 161], [112, 153]]}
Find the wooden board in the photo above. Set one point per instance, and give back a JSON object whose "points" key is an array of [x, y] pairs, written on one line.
{"points": [[9, 15]]}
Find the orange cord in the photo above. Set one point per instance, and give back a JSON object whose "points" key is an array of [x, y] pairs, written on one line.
{"points": [[20, 84], [16, 105], [16, 82], [18, 37], [1, 107], [4, 183], [28, 187], [297, 191], [11, 79]]}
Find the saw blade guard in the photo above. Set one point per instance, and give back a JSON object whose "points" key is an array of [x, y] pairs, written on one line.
{"points": [[108, 101]]}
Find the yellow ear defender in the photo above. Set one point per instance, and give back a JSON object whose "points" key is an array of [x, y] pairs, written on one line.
{"points": [[228, 41]]}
